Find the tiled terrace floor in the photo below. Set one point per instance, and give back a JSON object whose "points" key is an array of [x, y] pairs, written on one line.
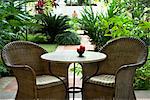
{"points": [[8, 85], [8, 88]]}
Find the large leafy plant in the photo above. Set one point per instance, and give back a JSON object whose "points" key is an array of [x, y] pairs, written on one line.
{"points": [[90, 22], [137, 8], [115, 7], [120, 26], [14, 20], [97, 25], [53, 24]]}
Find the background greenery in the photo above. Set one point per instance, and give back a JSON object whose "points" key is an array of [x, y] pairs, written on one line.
{"points": [[49, 47], [67, 38], [128, 18], [142, 76]]}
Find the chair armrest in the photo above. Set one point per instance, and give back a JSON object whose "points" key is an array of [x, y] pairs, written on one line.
{"points": [[124, 81], [23, 71], [133, 65], [26, 79], [127, 68]]}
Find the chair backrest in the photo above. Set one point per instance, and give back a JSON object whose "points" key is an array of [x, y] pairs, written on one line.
{"points": [[25, 53], [122, 51]]}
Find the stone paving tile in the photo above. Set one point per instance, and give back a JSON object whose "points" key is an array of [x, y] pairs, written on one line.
{"points": [[12, 86], [8, 95], [142, 94], [8, 88], [69, 47], [4, 81], [60, 48]]}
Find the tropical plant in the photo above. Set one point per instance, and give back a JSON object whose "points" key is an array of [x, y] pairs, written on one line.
{"points": [[124, 26], [67, 38], [120, 26], [14, 20], [137, 8], [53, 24], [88, 22], [95, 26], [74, 22], [115, 7]]}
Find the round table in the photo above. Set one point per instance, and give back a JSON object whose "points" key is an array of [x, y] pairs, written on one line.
{"points": [[71, 56]]}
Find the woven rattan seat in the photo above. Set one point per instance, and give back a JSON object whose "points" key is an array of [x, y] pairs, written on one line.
{"points": [[34, 75], [105, 80], [44, 81], [115, 75]]}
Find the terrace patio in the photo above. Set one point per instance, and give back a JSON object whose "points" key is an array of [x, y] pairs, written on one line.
{"points": [[8, 85], [117, 23]]}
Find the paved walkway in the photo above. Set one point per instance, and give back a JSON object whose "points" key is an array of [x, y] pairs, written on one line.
{"points": [[8, 85]]}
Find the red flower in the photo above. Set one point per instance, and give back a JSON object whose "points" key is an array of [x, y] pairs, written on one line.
{"points": [[81, 49], [40, 3], [39, 6]]}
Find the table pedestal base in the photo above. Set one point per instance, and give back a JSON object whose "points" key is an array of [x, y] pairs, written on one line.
{"points": [[74, 89]]}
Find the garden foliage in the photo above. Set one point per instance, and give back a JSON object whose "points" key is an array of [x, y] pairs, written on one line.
{"points": [[128, 18], [91, 23], [14, 21], [115, 23], [67, 38], [123, 18], [37, 38], [142, 79], [53, 25]]}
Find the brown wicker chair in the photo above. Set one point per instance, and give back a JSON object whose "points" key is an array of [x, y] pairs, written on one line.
{"points": [[115, 75], [33, 75]]}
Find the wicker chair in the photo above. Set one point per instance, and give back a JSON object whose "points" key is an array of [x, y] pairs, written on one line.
{"points": [[115, 75], [33, 75]]}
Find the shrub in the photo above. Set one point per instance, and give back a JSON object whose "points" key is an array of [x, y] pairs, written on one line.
{"points": [[68, 38], [74, 23], [142, 77], [53, 24], [37, 38]]}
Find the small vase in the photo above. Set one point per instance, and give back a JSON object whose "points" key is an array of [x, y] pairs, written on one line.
{"points": [[80, 55]]}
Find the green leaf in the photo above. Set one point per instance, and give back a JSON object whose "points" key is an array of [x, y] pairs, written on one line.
{"points": [[14, 22]]}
